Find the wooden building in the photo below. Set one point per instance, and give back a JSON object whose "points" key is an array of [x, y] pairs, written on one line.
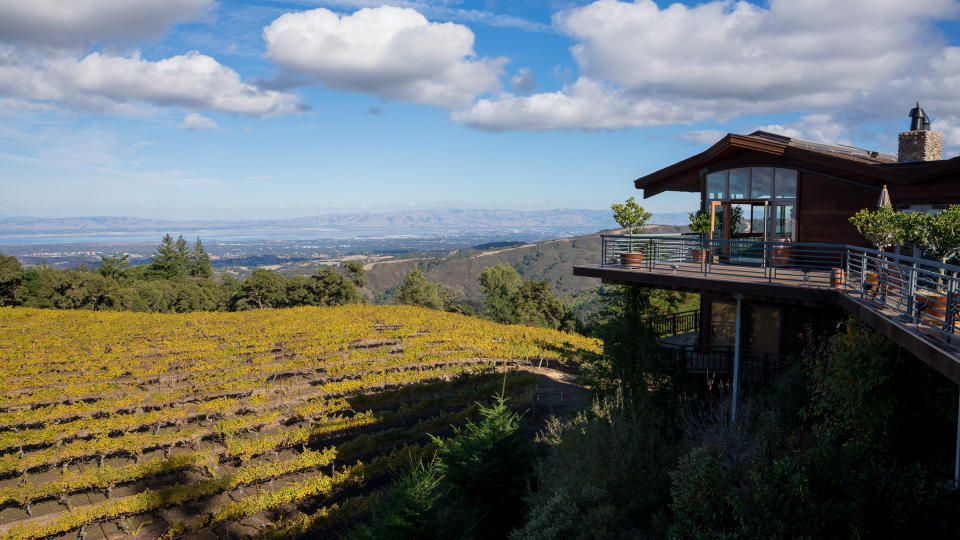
{"points": [[767, 188]]}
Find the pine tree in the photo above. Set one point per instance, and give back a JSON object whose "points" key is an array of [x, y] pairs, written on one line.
{"points": [[170, 259], [200, 266]]}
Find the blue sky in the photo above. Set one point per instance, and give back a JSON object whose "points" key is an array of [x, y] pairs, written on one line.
{"points": [[198, 109]]}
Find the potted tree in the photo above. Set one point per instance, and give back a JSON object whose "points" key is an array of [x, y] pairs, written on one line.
{"points": [[939, 235], [632, 217], [700, 223], [883, 227]]}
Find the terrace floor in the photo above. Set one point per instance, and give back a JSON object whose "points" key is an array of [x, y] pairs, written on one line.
{"points": [[795, 285]]}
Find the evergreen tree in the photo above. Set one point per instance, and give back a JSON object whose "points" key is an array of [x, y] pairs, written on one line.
{"points": [[11, 275], [115, 266], [170, 259], [536, 305], [500, 283], [200, 266], [417, 290], [356, 273], [331, 288]]}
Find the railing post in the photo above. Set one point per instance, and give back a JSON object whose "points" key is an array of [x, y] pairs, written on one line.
{"points": [[884, 275], [950, 310], [736, 361], [863, 268], [912, 292], [956, 458]]}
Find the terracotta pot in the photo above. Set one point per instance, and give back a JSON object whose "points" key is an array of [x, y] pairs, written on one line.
{"points": [[631, 260], [782, 253], [936, 311], [871, 283], [837, 279], [700, 255]]}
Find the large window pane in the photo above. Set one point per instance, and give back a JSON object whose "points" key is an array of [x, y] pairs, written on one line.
{"points": [[739, 183], [785, 185], [784, 221], [717, 186], [761, 182], [723, 323]]}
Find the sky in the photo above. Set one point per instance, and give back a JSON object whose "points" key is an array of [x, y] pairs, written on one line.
{"points": [[198, 109]]}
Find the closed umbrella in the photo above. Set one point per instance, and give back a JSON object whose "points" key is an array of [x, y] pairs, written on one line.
{"points": [[884, 198]]}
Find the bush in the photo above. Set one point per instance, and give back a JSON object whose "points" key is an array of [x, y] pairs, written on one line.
{"points": [[606, 476]]}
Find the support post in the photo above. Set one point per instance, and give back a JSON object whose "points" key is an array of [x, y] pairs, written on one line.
{"points": [[736, 361], [956, 458]]}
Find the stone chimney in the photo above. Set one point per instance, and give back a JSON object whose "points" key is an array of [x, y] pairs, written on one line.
{"points": [[919, 144]]}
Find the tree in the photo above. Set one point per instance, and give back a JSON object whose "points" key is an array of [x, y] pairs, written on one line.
{"points": [[11, 277], [300, 292], [938, 233], [631, 216], [882, 227], [115, 266], [263, 289], [200, 266], [416, 290], [331, 288], [356, 273], [500, 284], [700, 222], [169, 261], [535, 305]]}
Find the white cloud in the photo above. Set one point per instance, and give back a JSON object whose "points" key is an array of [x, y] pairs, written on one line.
{"points": [[79, 23], [441, 9], [814, 127], [585, 104], [724, 58], [197, 122], [705, 136], [524, 81], [116, 84], [390, 52]]}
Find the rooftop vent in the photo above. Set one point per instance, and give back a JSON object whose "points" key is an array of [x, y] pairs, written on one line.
{"points": [[919, 144]]}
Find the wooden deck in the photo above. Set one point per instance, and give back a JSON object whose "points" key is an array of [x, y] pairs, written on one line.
{"points": [[794, 285]]}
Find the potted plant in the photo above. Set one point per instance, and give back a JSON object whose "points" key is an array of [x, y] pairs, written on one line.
{"points": [[632, 217], [883, 227], [700, 223], [939, 235]]}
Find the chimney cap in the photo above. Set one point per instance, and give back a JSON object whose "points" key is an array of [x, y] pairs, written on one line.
{"points": [[919, 121]]}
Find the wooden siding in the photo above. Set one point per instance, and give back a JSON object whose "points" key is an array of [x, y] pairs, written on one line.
{"points": [[825, 206]]}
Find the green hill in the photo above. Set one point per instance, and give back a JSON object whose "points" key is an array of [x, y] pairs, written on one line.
{"points": [[548, 261]]}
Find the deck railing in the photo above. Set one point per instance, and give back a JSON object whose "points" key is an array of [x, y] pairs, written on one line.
{"points": [[918, 290], [672, 324], [755, 367]]}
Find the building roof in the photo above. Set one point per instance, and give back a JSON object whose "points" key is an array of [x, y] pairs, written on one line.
{"points": [[848, 162]]}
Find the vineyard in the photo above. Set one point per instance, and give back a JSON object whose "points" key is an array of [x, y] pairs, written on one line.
{"points": [[263, 423]]}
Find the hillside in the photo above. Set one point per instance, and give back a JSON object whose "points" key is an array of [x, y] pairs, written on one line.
{"points": [[551, 261], [227, 424]]}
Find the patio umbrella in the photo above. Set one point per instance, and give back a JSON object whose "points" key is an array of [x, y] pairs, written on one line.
{"points": [[884, 198]]}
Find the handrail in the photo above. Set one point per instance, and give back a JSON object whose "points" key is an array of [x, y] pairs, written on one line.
{"points": [[921, 291], [671, 324]]}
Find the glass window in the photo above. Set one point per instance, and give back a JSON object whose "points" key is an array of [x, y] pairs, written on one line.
{"points": [[786, 184], [723, 323], [739, 183], [717, 186], [784, 221], [761, 182], [764, 334]]}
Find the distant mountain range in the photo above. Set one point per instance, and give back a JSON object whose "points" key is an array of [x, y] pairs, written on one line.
{"points": [[432, 222]]}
